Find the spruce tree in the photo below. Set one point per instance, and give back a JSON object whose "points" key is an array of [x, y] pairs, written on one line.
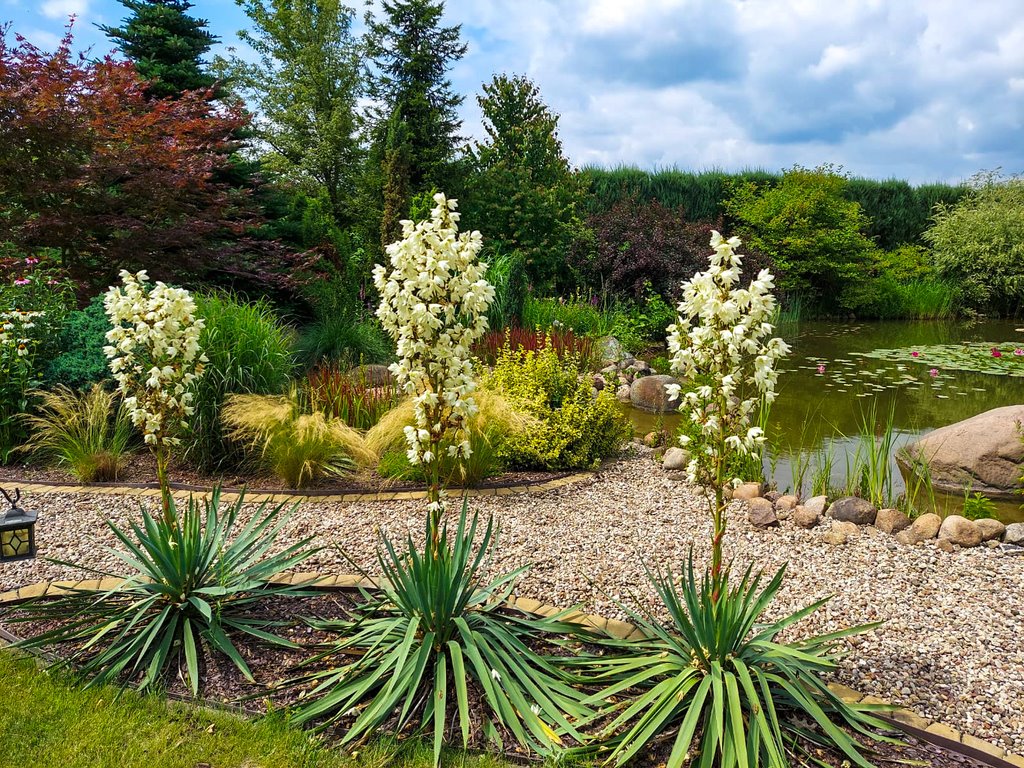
{"points": [[166, 45]]}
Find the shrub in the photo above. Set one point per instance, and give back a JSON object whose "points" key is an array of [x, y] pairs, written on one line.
{"points": [[80, 362], [582, 316], [88, 433], [812, 233], [506, 271], [440, 631], [564, 342], [249, 352], [576, 430], [192, 580], [978, 244], [348, 396], [344, 339], [299, 448]]}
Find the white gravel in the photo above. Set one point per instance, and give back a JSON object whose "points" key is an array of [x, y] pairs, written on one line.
{"points": [[951, 647]]}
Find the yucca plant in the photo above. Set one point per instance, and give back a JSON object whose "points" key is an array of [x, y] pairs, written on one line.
{"points": [[89, 433], [191, 581], [719, 680], [300, 448], [436, 630]]}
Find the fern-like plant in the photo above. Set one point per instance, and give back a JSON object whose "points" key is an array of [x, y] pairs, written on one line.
{"points": [[88, 433], [299, 448]]}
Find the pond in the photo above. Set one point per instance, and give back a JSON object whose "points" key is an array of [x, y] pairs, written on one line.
{"points": [[838, 373]]}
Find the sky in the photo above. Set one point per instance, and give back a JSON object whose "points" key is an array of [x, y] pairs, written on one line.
{"points": [[923, 90]]}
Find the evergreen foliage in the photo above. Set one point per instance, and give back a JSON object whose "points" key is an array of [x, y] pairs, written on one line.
{"points": [[166, 45]]}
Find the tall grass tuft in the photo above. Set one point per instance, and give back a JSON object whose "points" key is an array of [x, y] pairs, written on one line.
{"points": [[507, 273], [582, 316], [89, 433], [344, 339], [348, 396], [299, 448], [249, 352]]}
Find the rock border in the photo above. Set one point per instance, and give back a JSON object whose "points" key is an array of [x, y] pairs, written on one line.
{"points": [[906, 720], [258, 495]]}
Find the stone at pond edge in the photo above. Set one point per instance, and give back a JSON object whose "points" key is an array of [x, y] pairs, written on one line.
{"points": [[622, 393], [960, 531], [675, 459], [891, 521], [805, 518], [839, 533], [816, 504], [922, 529], [852, 509], [1014, 534], [991, 530], [648, 394], [609, 349], [745, 491], [761, 513], [985, 450], [786, 503]]}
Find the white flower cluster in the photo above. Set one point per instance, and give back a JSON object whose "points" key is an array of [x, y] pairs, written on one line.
{"points": [[154, 353], [723, 336], [434, 301], [13, 327]]}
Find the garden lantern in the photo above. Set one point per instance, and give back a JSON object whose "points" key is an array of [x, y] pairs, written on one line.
{"points": [[17, 531]]}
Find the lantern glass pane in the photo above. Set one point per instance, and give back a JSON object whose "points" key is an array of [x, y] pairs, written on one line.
{"points": [[15, 543]]}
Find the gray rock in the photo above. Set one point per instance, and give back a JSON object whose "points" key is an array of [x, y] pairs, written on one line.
{"points": [[1014, 534], [991, 530], [852, 509], [622, 393], [805, 518], [761, 513], [817, 504], [960, 531], [610, 370], [648, 394], [787, 503], [675, 459], [748, 491], [609, 349], [641, 367], [985, 450], [892, 521]]}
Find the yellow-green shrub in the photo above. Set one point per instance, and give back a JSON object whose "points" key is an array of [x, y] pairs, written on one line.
{"points": [[576, 430]]}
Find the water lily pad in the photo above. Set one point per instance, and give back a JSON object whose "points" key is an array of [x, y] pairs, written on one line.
{"points": [[999, 359]]}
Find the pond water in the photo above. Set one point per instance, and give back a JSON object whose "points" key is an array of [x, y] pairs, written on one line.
{"points": [[828, 387]]}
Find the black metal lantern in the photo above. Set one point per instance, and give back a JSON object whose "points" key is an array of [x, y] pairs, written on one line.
{"points": [[17, 531]]}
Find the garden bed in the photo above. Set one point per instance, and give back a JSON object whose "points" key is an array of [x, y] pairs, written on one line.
{"points": [[950, 648], [223, 684]]}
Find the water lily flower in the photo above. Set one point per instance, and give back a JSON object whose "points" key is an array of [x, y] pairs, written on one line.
{"points": [[1018, 351], [821, 368], [933, 372], [996, 352], [915, 353]]}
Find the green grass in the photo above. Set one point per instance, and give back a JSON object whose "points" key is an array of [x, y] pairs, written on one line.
{"points": [[49, 722]]}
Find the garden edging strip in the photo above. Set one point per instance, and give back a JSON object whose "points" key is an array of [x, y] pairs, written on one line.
{"points": [[259, 495], [904, 719]]}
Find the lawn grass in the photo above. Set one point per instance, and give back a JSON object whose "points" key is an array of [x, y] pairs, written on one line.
{"points": [[48, 721]]}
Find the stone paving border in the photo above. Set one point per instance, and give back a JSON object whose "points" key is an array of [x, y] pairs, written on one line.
{"points": [[258, 496], [904, 719]]}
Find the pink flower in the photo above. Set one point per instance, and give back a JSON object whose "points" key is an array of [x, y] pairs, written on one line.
{"points": [[31, 260], [821, 368], [915, 353], [22, 281], [933, 372], [1018, 351], [996, 352]]}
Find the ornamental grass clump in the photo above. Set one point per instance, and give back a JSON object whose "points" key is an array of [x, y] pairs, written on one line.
{"points": [[155, 359], [87, 432], [717, 679]]}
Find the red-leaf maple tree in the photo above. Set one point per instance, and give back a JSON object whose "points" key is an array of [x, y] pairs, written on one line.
{"points": [[111, 179]]}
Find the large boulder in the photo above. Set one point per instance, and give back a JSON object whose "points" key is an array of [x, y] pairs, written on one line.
{"points": [[892, 521], [984, 451], [923, 528], [960, 531], [609, 349], [675, 459], [816, 504], [853, 509], [761, 513], [648, 394], [991, 530]]}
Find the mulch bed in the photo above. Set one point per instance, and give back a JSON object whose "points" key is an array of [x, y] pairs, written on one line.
{"points": [[224, 684], [140, 468]]}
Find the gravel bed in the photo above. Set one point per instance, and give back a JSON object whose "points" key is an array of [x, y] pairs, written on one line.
{"points": [[951, 647]]}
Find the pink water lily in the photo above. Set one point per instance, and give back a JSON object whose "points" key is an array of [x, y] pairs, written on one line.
{"points": [[915, 353], [933, 372], [996, 352], [1018, 351], [821, 368]]}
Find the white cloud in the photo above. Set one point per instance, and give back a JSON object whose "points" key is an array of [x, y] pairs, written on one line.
{"points": [[61, 9]]}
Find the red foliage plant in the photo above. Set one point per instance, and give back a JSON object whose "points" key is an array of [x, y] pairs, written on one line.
{"points": [[563, 341], [354, 398], [111, 179]]}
